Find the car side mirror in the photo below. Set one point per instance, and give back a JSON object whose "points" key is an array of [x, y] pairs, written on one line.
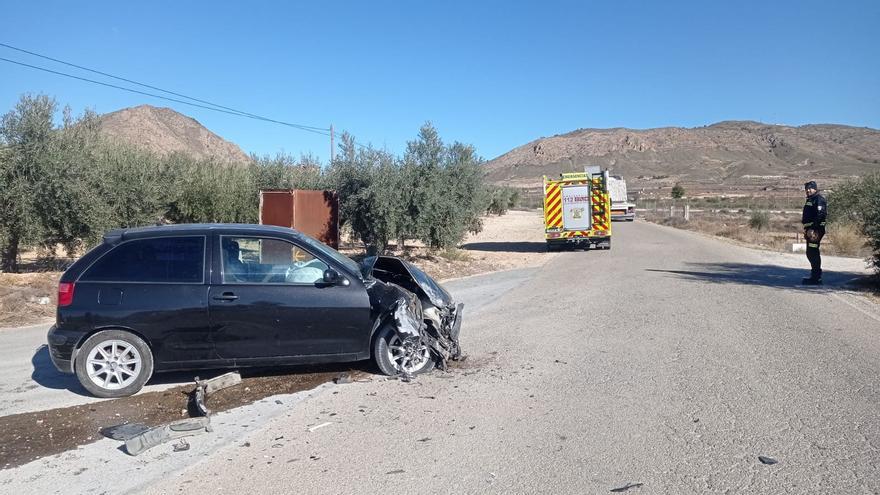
{"points": [[332, 277]]}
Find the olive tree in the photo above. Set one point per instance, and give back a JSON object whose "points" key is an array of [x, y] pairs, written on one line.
{"points": [[25, 138]]}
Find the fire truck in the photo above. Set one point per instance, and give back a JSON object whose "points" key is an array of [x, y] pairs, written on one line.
{"points": [[577, 210]]}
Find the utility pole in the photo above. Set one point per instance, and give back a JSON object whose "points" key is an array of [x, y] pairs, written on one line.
{"points": [[331, 143]]}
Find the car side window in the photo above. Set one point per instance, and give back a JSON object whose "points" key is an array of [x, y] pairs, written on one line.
{"points": [[256, 260], [156, 260]]}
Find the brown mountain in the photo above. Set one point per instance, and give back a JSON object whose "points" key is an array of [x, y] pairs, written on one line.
{"points": [[163, 131], [724, 153]]}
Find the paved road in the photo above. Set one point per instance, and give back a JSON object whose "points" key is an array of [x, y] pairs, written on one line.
{"points": [[672, 360]]}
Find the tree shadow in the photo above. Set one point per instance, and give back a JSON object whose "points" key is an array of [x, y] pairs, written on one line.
{"points": [[775, 276], [507, 247]]}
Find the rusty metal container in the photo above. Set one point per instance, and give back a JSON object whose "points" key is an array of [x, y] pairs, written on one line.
{"points": [[315, 213]]}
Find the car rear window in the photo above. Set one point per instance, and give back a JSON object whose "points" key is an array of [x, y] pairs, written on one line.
{"points": [[158, 260]]}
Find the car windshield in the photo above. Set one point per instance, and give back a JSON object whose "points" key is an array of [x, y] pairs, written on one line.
{"points": [[323, 249]]}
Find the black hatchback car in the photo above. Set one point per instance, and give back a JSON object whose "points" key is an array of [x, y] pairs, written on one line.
{"points": [[227, 295]]}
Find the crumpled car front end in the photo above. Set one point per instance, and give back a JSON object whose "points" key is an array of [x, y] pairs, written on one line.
{"points": [[422, 313]]}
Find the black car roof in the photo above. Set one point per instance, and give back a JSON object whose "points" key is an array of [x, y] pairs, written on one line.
{"points": [[119, 235]]}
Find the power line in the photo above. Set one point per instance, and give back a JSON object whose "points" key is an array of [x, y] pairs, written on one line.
{"points": [[153, 95], [204, 104], [131, 81]]}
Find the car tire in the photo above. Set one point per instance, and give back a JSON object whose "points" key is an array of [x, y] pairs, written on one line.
{"points": [[384, 355], [113, 363]]}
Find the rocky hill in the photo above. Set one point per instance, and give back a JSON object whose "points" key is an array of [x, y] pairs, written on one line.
{"points": [[723, 153], [163, 130]]}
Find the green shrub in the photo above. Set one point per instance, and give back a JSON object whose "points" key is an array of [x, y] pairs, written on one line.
{"points": [[858, 202], [759, 220], [678, 191]]}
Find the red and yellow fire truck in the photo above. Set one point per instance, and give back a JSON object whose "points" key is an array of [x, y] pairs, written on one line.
{"points": [[577, 210]]}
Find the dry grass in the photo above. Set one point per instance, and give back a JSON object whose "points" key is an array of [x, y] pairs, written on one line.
{"points": [[21, 295], [846, 240], [455, 255], [781, 231]]}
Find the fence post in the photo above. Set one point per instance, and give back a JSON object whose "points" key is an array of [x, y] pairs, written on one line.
{"points": [[687, 212]]}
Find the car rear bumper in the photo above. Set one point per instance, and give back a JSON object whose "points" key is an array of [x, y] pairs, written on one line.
{"points": [[567, 241], [62, 348]]}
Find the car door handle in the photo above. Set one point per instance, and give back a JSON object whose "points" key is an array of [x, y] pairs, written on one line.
{"points": [[226, 296]]}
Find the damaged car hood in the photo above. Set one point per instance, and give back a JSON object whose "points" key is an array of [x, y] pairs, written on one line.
{"points": [[397, 270]]}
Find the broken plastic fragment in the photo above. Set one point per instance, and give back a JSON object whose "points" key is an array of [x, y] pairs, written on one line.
{"points": [[161, 434], [767, 460], [626, 487], [199, 396], [124, 431], [313, 428], [407, 323]]}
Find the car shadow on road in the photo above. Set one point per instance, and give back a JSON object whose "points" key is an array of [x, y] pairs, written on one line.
{"points": [[44, 373], [507, 247], [779, 277]]}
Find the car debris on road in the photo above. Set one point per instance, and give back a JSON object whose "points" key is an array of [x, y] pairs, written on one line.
{"points": [[626, 487], [165, 433], [199, 423], [199, 395]]}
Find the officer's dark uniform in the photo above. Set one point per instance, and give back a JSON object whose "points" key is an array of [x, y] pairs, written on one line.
{"points": [[813, 218]]}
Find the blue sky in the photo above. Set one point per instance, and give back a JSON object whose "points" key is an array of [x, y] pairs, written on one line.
{"points": [[496, 74]]}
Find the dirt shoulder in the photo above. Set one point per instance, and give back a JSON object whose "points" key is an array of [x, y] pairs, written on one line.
{"points": [[29, 436], [27, 298], [513, 240]]}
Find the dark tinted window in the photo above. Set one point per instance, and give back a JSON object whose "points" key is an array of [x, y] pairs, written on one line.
{"points": [[166, 259]]}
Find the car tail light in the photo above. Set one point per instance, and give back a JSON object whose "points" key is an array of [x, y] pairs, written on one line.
{"points": [[65, 294]]}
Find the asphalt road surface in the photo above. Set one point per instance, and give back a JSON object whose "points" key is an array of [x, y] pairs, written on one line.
{"points": [[672, 361]]}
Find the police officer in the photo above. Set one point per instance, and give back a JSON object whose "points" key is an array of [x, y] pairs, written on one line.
{"points": [[813, 218]]}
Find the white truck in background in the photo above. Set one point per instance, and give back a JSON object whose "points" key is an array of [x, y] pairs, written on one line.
{"points": [[621, 208]]}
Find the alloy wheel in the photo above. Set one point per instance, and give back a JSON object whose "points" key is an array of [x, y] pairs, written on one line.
{"points": [[113, 364], [407, 357]]}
